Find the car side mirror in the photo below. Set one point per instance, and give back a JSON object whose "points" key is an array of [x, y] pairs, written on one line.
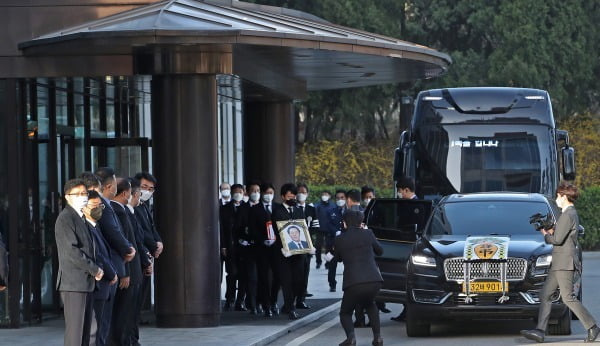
{"points": [[580, 231], [568, 161]]}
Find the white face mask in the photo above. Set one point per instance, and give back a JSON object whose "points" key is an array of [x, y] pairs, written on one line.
{"points": [[340, 202], [302, 197], [238, 196], [78, 202], [254, 196], [325, 198], [146, 195], [366, 201], [268, 198], [225, 193], [129, 199], [246, 198]]}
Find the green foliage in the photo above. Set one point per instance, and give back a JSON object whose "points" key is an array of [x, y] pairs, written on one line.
{"points": [[345, 163], [588, 205], [584, 134]]}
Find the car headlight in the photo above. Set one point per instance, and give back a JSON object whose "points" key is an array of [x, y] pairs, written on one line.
{"points": [[543, 261], [423, 260]]}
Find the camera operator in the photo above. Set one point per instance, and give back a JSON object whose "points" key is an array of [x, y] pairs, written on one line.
{"points": [[564, 263]]}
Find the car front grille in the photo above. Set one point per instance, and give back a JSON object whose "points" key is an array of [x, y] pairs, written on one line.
{"points": [[454, 268]]}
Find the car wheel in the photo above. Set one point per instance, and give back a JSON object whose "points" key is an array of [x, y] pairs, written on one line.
{"points": [[563, 326], [415, 326]]}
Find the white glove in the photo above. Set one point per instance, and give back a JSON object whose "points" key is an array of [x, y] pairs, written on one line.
{"points": [[269, 242], [243, 242], [338, 233], [312, 251], [285, 253], [328, 257]]}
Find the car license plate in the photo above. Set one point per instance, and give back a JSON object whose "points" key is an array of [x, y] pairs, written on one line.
{"points": [[486, 287]]}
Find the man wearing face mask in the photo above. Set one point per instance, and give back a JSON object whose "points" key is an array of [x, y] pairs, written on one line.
{"points": [[267, 254], [367, 193], [225, 192], [93, 213], [310, 215], [122, 328], [77, 268], [334, 228], [563, 238], [231, 218], [291, 270], [322, 209], [248, 250]]}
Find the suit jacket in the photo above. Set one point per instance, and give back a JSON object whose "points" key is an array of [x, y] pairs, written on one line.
{"points": [[312, 220], [258, 217], [564, 241], [113, 233], [146, 222], [3, 263], [139, 237], [133, 268], [281, 213], [293, 246], [357, 248], [75, 247], [234, 223], [103, 260]]}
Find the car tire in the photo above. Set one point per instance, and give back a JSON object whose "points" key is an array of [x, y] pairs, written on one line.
{"points": [[563, 326], [414, 326]]}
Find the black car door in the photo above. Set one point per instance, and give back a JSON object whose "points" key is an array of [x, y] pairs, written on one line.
{"points": [[396, 223]]}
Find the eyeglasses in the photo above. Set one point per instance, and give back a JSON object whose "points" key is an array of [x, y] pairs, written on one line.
{"points": [[101, 206], [80, 194]]}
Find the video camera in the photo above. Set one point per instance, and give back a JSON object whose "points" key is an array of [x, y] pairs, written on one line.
{"points": [[540, 221]]}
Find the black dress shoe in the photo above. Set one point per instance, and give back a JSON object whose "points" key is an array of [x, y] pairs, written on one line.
{"points": [[240, 307], [285, 309], [259, 310], [400, 317], [253, 311], [308, 294], [274, 310], [293, 315], [331, 289], [318, 265], [592, 334], [534, 334], [385, 310], [302, 305], [268, 313], [377, 341], [348, 342], [227, 306]]}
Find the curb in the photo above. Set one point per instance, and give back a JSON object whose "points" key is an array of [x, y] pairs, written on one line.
{"points": [[297, 324]]}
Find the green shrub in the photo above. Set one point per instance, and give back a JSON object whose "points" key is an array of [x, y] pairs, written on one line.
{"points": [[588, 208]]}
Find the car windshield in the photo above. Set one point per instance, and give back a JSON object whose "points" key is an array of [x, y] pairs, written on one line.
{"points": [[485, 217]]}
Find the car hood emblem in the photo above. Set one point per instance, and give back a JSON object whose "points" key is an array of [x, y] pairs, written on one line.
{"points": [[485, 250]]}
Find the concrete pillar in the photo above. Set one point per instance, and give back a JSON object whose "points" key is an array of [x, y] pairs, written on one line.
{"points": [[184, 135], [269, 142]]}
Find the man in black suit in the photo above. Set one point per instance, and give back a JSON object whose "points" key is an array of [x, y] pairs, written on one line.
{"points": [[312, 221], [357, 248], [122, 327], [291, 266], [233, 220], [267, 254], [121, 250], [93, 213], [77, 269]]}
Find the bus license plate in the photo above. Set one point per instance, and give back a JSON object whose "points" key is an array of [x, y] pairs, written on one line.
{"points": [[486, 287]]}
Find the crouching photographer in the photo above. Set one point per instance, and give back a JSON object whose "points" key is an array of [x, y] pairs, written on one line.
{"points": [[565, 261]]}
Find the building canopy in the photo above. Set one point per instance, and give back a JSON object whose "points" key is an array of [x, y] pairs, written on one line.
{"points": [[281, 49]]}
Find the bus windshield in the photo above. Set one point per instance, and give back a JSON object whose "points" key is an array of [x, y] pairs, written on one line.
{"points": [[478, 158]]}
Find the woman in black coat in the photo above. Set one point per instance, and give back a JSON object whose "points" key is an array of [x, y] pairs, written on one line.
{"points": [[357, 248]]}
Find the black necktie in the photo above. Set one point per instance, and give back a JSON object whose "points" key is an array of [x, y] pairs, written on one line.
{"points": [[291, 211], [268, 208]]}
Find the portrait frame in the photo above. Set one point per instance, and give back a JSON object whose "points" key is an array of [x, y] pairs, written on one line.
{"points": [[287, 230]]}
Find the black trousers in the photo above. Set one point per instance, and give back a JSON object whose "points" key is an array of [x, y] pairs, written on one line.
{"points": [[122, 326], [307, 259], [356, 296], [247, 276], [332, 266], [231, 279], [80, 321], [292, 280], [268, 284], [319, 240]]}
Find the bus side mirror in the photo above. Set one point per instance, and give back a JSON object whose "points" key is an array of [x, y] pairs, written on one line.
{"points": [[568, 161]]}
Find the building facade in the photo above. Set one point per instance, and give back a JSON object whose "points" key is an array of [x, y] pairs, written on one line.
{"points": [[197, 92]]}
